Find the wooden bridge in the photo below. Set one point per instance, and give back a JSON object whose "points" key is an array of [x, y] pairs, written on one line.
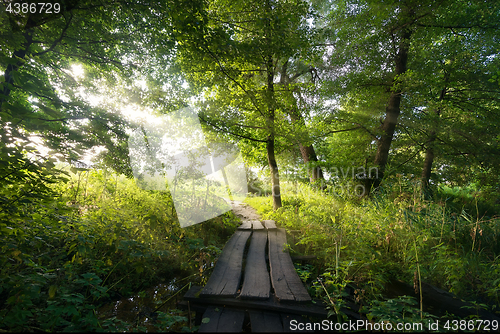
{"points": [[254, 286]]}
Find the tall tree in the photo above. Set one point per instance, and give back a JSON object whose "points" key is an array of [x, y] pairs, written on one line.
{"points": [[289, 83], [456, 105], [41, 98], [236, 66], [373, 59], [372, 40]]}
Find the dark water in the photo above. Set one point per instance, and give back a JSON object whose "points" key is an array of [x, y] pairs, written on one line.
{"points": [[143, 309]]}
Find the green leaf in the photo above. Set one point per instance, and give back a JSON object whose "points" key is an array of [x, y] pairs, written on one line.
{"points": [[52, 291]]}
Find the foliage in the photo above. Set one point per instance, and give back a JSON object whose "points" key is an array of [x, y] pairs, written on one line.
{"points": [[473, 199], [276, 77], [368, 242], [447, 91], [170, 322], [401, 310], [101, 239]]}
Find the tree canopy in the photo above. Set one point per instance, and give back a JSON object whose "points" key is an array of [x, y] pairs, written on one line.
{"points": [[409, 88]]}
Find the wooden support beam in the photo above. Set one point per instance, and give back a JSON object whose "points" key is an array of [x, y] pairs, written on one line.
{"points": [[305, 309]]}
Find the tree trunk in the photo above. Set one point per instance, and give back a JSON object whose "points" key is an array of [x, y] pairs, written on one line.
{"points": [[429, 153], [392, 111], [307, 151], [429, 159], [271, 158], [273, 166], [18, 56]]}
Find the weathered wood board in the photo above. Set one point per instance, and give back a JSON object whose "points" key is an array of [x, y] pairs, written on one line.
{"points": [[286, 283], [315, 310], [269, 224], [256, 284], [225, 279], [257, 225], [245, 225], [265, 322], [222, 320]]}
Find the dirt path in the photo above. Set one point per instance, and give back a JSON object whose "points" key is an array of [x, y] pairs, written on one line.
{"points": [[244, 211]]}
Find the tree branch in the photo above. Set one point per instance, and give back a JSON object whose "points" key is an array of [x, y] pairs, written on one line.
{"points": [[223, 70], [57, 41], [231, 133], [64, 119], [343, 130]]}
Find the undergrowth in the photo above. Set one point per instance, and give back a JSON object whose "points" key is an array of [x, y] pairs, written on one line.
{"points": [[98, 238], [395, 235]]}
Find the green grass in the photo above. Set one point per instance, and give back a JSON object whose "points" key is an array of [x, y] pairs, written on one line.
{"points": [[263, 205], [101, 237], [394, 235]]}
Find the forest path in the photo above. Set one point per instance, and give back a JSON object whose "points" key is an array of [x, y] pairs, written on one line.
{"points": [[254, 286], [244, 211]]}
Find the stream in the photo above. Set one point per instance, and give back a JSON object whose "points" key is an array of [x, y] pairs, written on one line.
{"points": [[142, 309]]}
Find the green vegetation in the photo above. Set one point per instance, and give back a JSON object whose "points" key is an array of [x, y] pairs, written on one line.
{"points": [[100, 239], [396, 235], [373, 125]]}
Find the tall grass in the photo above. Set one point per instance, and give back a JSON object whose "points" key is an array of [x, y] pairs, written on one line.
{"points": [[394, 235], [102, 238]]}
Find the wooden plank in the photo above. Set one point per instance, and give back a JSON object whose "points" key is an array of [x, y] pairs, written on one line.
{"points": [[222, 320], [269, 224], [281, 289], [245, 225], [212, 314], [286, 282], [306, 309], [256, 283], [257, 225], [231, 321], [265, 322], [225, 280]]}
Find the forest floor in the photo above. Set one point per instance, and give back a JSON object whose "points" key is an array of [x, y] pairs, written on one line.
{"points": [[244, 211]]}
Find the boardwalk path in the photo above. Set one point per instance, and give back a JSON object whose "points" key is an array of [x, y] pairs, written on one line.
{"points": [[254, 286], [244, 211]]}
